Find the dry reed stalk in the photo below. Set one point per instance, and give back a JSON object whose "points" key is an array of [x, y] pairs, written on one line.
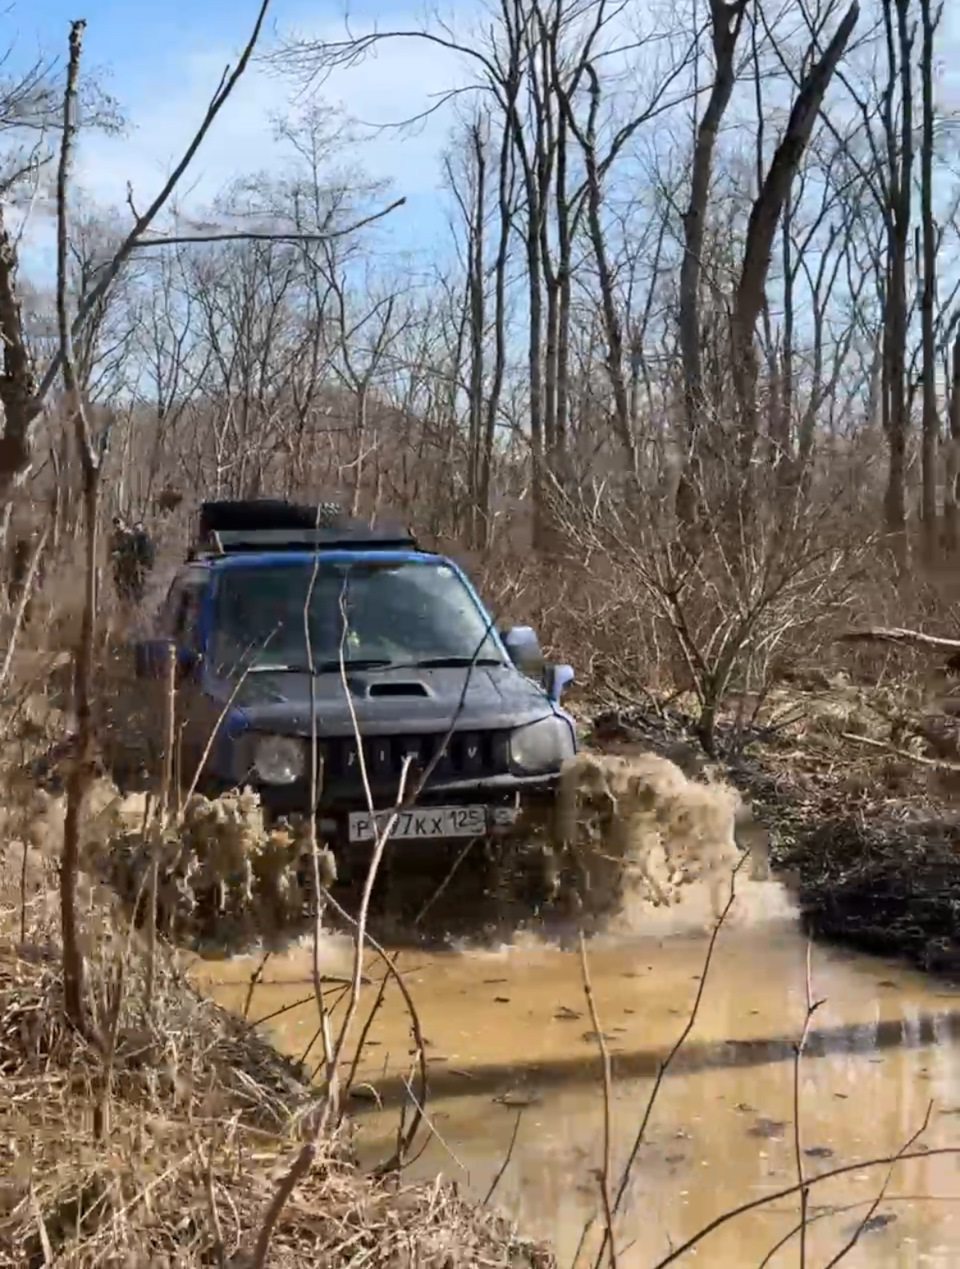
{"points": [[160, 823], [315, 793]]}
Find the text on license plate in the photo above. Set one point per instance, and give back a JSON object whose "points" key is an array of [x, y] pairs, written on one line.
{"points": [[434, 821]]}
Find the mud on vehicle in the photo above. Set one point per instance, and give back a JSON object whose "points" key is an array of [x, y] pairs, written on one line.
{"points": [[287, 625]]}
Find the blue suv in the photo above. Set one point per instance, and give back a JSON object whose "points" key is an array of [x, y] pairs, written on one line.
{"points": [[288, 624]]}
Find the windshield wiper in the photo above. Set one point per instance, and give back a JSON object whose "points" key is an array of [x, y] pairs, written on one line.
{"points": [[293, 668], [453, 663], [377, 663], [323, 667], [353, 663]]}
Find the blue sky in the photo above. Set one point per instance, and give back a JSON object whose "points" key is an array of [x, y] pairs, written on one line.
{"points": [[162, 63]]}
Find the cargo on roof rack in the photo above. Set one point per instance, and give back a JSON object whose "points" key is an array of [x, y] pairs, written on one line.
{"points": [[271, 524], [233, 515]]}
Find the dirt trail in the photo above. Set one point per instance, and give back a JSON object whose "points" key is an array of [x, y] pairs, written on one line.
{"points": [[509, 1032]]}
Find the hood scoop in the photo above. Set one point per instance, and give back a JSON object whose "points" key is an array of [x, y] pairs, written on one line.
{"points": [[412, 688]]}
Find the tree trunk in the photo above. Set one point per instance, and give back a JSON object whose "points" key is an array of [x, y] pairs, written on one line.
{"points": [[726, 21], [931, 420], [360, 442], [504, 202], [476, 286], [896, 410], [765, 216], [950, 491]]}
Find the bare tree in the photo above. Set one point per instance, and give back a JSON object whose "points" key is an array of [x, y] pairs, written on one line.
{"points": [[23, 402], [765, 216], [929, 21], [363, 337], [952, 473], [726, 23]]}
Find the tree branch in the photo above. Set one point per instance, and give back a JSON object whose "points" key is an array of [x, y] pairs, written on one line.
{"points": [[249, 235], [19, 427]]}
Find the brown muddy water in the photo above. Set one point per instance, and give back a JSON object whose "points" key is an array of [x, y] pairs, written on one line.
{"points": [[509, 1034]]}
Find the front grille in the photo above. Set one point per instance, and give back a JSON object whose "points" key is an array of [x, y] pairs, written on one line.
{"points": [[469, 755]]}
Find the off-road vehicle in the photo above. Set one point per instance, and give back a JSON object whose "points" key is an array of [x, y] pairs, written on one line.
{"points": [[288, 625]]}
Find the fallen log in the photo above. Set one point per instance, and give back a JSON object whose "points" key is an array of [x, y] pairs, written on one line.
{"points": [[939, 764], [911, 638]]}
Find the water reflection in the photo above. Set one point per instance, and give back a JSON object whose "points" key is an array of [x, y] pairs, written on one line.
{"points": [[511, 1027]]}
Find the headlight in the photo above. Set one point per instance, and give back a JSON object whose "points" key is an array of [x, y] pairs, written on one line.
{"points": [[278, 760], [541, 746]]}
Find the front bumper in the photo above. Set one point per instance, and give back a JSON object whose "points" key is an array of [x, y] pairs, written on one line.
{"points": [[512, 804]]}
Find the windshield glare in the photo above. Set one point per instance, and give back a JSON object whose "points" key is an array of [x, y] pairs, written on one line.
{"points": [[396, 612]]}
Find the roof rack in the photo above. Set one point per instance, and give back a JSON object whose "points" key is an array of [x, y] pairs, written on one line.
{"points": [[271, 524]]}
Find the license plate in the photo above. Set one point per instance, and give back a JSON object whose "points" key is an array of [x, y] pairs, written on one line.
{"points": [[435, 821]]}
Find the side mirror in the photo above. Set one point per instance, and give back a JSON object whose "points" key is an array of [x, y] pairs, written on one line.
{"points": [[151, 658], [524, 648], [187, 662], [555, 679]]}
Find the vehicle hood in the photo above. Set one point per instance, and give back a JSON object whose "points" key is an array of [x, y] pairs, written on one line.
{"points": [[388, 702]]}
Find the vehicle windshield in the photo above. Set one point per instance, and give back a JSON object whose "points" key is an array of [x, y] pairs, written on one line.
{"points": [[408, 612]]}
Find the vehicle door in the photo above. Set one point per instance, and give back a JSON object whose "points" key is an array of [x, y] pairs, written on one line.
{"points": [[181, 617]]}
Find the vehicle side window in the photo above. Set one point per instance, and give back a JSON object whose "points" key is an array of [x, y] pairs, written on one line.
{"points": [[181, 609], [185, 630], [170, 609]]}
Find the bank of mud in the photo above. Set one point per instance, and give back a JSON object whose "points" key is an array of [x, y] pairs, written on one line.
{"points": [[865, 836]]}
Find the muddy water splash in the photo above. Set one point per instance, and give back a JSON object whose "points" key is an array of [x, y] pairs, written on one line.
{"points": [[509, 1034]]}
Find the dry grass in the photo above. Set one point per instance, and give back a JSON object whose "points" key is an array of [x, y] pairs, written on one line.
{"points": [[161, 1144], [171, 1158], [106, 1157]]}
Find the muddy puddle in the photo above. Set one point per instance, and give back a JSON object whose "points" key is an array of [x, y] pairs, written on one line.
{"points": [[513, 1053]]}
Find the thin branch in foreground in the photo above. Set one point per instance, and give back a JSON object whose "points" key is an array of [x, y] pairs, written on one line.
{"points": [[23, 601], [353, 1002], [254, 982], [365, 1031], [432, 1127], [322, 1031], [461, 702], [488, 1197], [354, 998], [671, 1057], [445, 882], [304, 1159], [606, 1165], [812, 1007], [792, 1233], [323, 1025], [582, 1240], [394, 1161], [90, 302], [221, 717], [160, 824], [78, 780], [789, 1191], [881, 1193], [380, 842]]}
